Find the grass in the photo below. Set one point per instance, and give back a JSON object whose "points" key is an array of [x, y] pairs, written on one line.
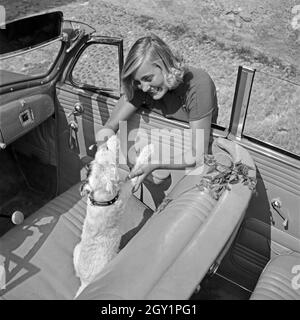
{"points": [[275, 100]]}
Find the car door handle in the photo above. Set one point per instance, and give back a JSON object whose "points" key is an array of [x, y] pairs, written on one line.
{"points": [[78, 110], [276, 204]]}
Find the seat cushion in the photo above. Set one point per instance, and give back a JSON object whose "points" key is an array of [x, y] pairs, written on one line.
{"points": [[279, 280], [38, 255], [175, 249], [165, 260]]}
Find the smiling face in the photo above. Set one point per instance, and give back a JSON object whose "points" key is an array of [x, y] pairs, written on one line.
{"points": [[149, 78]]}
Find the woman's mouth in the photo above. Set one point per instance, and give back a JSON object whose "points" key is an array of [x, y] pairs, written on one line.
{"points": [[154, 90]]}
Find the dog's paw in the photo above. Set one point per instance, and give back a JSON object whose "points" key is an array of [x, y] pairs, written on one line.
{"points": [[145, 154]]}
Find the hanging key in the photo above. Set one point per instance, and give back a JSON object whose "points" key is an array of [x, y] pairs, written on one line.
{"points": [[73, 141]]}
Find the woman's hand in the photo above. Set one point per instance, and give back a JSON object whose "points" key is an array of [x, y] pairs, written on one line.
{"points": [[141, 173]]}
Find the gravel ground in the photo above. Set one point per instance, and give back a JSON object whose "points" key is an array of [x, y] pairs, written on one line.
{"points": [[275, 104]]}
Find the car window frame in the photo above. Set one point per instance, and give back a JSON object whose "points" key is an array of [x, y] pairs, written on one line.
{"points": [[41, 79], [97, 40], [242, 95]]}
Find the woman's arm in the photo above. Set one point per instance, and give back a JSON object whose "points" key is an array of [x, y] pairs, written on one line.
{"points": [[121, 112], [199, 148]]}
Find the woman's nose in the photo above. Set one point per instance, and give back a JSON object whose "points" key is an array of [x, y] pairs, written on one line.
{"points": [[144, 86]]}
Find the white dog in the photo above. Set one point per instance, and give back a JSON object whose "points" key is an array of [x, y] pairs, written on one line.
{"points": [[107, 197]]}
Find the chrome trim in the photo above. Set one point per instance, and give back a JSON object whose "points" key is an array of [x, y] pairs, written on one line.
{"points": [[159, 117], [233, 282], [64, 37], [121, 63], [115, 41], [267, 152], [96, 39], [241, 100], [79, 37], [277, 206], [29, 50]]}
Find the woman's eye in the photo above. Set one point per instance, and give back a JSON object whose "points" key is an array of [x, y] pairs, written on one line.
{"points": [[148, 79], [137, 83]]}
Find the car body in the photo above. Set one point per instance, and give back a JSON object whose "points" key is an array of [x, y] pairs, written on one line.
{"points": [[53, 102]]}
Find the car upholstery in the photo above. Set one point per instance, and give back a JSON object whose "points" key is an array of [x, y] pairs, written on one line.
{"points": [[279, 279], [164, 254]]}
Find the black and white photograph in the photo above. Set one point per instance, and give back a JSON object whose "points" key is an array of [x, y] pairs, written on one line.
{"points": [[149, 151]]}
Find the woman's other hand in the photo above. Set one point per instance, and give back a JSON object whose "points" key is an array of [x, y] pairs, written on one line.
{"points": [[140, 173]]}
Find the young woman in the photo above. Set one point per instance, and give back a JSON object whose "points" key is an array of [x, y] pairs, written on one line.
{"points": [[153, 76]]}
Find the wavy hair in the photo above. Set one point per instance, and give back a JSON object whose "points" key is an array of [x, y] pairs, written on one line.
{"points": [[158, 52]]}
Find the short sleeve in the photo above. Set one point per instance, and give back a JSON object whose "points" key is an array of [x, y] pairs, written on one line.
{"points": [[201, 98], [139, 99]]}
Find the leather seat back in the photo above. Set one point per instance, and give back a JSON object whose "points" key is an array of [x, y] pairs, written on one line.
{"points": [[280, 279], [174, 250]]}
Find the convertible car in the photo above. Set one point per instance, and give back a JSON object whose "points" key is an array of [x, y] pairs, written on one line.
{"points": [[227, 230]]}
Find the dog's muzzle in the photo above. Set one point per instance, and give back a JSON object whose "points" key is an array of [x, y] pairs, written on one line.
{"points": [[103, 203]]}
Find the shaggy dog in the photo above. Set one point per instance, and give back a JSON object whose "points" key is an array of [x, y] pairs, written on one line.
{"points": [[107, 198]]}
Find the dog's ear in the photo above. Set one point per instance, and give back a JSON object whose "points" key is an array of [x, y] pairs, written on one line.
{"points": [[85, 188]]}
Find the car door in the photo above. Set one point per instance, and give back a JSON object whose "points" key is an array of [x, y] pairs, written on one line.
{"points": [[263, 120], [86, 95], [30, 59]]}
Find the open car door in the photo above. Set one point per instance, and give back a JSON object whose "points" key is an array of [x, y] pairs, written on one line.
{"points": [[86, 94], [30, 60]]}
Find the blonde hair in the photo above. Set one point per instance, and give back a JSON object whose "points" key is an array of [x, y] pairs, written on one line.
{"points": [[158, 52]]}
